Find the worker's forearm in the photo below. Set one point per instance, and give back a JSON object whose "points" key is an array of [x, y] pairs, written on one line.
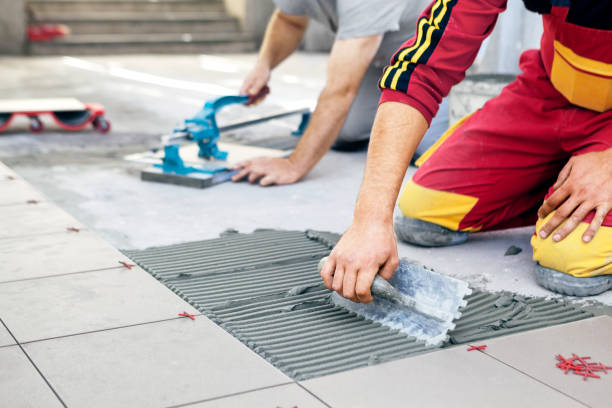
{"points": [[282, 37], [325, 125], [397, 131], [344, 76]]}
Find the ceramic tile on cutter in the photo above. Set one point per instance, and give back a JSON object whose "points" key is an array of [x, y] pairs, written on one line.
{"points": [[31, 219], [20, 383], [448, 378], [18, 192], [55, 254], [153, 365], [534, 353], [64, 305], [285, 396]]}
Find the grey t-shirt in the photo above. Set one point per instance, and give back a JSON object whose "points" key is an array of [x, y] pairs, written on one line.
{"points": [[395, 19]]}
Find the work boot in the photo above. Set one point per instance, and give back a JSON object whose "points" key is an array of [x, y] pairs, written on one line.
{"points": [[567, 284], [426, 234]]}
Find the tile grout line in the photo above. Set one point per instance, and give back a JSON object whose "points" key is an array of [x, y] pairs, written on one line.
{"points": [[535, 379], [107, 329], [313, 394], [34, 365], [39, 234], [110, 268], [24, 203], [8, 345], [229, 395]]}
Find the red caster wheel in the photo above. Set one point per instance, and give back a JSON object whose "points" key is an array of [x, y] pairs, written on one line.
{"points": [[101, 124], [36, 125]]}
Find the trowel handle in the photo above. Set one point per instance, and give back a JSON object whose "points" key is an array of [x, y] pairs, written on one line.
{"points": [[383, 289], [262, 93]]}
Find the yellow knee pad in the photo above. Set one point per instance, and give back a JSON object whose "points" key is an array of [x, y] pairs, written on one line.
{"points": [[438, 207], [572, 255]]}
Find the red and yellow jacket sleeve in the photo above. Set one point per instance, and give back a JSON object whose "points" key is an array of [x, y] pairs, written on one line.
{"points": [[448, 36]]}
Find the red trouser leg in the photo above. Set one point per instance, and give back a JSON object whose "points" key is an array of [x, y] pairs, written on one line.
{"points": [[494, 170]]}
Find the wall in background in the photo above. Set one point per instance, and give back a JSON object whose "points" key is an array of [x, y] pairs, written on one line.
{"points": [[12, 26]]}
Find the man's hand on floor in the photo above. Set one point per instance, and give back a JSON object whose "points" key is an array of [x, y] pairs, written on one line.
{"points": [[268, 171], [583, 185], [362, 252]]}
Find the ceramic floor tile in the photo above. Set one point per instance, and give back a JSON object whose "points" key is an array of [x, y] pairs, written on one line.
{"points": [[7, 173], [29, 219], [284, 396], [153, 365], [5, 338], [18, 192], [62, 305], [447, 378], [20, 384], [534, 353], [55, 254]]}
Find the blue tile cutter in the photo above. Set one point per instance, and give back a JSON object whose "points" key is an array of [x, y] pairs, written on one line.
{"points": [[203, 130]]}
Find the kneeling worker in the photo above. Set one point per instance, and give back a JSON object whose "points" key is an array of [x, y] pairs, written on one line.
{"points": [[540, 152], [367, 34]]}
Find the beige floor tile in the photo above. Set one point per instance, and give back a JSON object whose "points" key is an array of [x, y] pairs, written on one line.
{"points": [[30, 219], [152, 365], [448, 378], [63, 305], [284, 396], [7, 173], [20, 384], [5, 337], [18, 192], [534, 353], [55, 254]]}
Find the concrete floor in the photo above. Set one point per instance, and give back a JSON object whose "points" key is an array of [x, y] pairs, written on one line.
{"points": [[147, 95]]}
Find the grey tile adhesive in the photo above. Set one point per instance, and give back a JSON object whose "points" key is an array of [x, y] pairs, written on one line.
{"points": [[265, 290]]}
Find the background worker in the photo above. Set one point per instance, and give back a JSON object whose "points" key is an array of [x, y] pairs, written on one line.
{"points": [[367, 34], [551, 127]]}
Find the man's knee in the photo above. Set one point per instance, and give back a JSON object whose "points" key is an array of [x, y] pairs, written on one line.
{"points": [[431, 217], [423, 233], [437, 207], [572, 255]]}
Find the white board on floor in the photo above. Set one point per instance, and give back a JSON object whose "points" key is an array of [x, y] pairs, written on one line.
{"points": [[41, 105], [189, 154]]}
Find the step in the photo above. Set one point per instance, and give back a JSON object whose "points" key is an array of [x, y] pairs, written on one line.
{"points": [[140, 23], [125, 5], [91, 44]]}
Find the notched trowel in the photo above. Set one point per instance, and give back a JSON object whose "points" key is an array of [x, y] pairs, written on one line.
{"points": [[415, 301]]}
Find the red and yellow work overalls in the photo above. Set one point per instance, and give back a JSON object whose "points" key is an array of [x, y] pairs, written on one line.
{"points": [[493, 169]]}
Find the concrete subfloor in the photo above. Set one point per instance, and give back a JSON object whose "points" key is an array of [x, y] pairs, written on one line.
{"points": [[105, 350]]}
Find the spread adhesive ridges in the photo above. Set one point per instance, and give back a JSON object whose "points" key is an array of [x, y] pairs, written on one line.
{"points": [[265, 290]]}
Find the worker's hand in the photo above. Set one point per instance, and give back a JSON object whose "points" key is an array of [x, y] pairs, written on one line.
{"points": [[255, 81], [363, 251], [583, 185], [268, 171]]}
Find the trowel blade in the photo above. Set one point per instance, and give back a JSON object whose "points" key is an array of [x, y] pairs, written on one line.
{"points": [[426, 287]]}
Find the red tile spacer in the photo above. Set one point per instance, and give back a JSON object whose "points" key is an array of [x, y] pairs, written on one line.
{"points": [[127, 265], [72, 229], [580, 366], [32, 201], [481, 348], [185, 314]]}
